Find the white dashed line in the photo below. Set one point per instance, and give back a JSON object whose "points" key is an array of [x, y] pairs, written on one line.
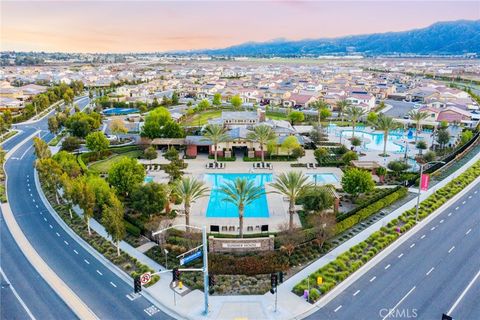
{"points": [[51, 227], [469, 197], [113, 284], [76, 252], [441, 221], [356, 292], [387, 266], [373, 279], [31, 195], [468, 231], [449, 214], [41, 212], [337, 308], [65, 242], [464, 202], [475, 191], [456, 208], [29, 189], [36, 206], [400, 255], [86, 261], [33, 200], [45, 219], [58, 234], [429, 271], [412, 245], [433, 228], [99, 273], [422, 237], [451, 249]]}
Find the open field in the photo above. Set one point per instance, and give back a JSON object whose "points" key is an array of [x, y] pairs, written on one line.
{"points": [[105, 165]]}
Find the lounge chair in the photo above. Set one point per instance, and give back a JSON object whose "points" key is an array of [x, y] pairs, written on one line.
{"points": [[270, 166], [314, 166], [308, 165], [222, 165]]}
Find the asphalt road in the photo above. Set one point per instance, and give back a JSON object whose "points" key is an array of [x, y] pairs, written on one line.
{"points": [[102, 290], [424, 276]]}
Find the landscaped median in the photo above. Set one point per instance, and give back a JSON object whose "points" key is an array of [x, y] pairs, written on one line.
{"points": [[348, 262]]}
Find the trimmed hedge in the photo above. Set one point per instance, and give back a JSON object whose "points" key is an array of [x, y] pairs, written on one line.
{"points": [[132, 229], [348, 262]]}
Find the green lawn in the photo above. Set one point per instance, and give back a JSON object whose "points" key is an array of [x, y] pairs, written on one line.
{"points": [[202, 118], [104, 165], [276, 115]]}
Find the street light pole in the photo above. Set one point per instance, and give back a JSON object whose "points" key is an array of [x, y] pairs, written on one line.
{"points": [[420, 186], [205, 268]]}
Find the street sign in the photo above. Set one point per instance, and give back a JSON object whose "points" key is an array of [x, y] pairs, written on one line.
{"points": [[145, 278], [190, 258]]}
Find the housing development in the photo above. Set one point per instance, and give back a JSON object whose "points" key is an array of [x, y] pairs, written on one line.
{"points": [[247, 182]]}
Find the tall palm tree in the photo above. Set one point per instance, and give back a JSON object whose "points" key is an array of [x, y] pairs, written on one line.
{"points": [[241, 192], [292, 185], [354, 114], [385, 124], [418, 116], [319, 105], [215, 133], [342, 105], [262, 134], [189, 190]]}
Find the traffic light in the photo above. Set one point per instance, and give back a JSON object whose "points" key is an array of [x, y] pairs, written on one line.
{"points": [[280, 277], [137, 284], [273, 280], [175, 274], [211, 280]]}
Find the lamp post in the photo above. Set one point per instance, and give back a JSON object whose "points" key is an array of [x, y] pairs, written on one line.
{"points": [[166, 257], [420, 187]]}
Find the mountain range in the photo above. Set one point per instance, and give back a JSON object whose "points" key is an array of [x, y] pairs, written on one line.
{"points": [[441, 38]]}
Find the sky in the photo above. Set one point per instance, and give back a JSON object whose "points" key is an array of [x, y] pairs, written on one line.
{"points": [[157, 26]]}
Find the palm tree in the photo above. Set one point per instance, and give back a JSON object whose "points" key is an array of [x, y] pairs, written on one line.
{"points": [[189, 189], [241, 192], [385, 124], [292, 185], [319, 105], [262, 134], [418, 116], [215, 133], [354, 114], [342, 105]]}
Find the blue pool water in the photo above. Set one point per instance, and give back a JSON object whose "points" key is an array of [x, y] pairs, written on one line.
{"points": [[119, 111], [375, 140], [322, 178], [219, 208], [148, 179]]}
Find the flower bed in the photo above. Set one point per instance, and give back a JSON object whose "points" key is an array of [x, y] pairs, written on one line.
{"points": [[348, 262]]}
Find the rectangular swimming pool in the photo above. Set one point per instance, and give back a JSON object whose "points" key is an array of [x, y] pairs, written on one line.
{"points": [[322, 178], [219, 208]]}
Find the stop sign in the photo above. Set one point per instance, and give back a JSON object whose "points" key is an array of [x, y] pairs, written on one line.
{"points": [[145, 278]]}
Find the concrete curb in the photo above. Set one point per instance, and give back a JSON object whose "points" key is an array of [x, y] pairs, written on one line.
{"points": [[50, 277], [18, 132], [384, 253]]}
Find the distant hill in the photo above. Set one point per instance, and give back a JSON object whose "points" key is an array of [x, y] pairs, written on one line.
{"points": [[442, 38]]}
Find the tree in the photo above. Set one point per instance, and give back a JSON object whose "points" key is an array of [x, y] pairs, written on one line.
{"points": [[262, 134], [49, 172], [356, 181], [101, 189], [80, 124], [321, 154], [356, 142], [290, 143], [342, 105], [154, 122], [323, 226], [117, 127], [150, 153], [97, 142], [292, 185], [348, 156], [203, 105], [53, 126], [316, 136], [236, 101], [325, 113], [149, 199], [354, 114], [217, 99], [398, 166], [316, 199], [372, 118], [41, 148], [70, 143], [84, 197], [189, 190], [319, 105], [68, 162], [125, 175], [421, 145], [112, 220], [172, 129], [295, 117], [175, 98], [381, 173], [67, 187], [385, 124], [429, 156], [443, 137], [215, 133], [466, 136], [241, 192], [417, 116]]}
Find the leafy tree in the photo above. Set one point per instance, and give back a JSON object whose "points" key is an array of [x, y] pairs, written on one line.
{"points": [[117, 127], [316, 199], [418, 116], [112, 220], [175, 98], [203, 105], [67, 187], [97, 142], [356, 142], [68, 163], [215, 133], [241, 192], [443, 137], [171, 154], [125, 175], [70, 143], [298, 152], [321, 154], [372, 118], [324, 114], [316, 136], [50, 172], [84, 197], [41, 148], [290, 143], [217, 99], [385, 124], [356, 181], [149, 198], [174, 169], [236, 101], [381, 173], [189, 190], [429, 156], [349, 156], [295, 117], [354, 114], [398, 166], [262, 134], [150, 153], [421, 145], [154, 122], [53, 125], [319, 105], [101, 190], [292, 185], [466, 136], [171, 129], [323, 226], [80, 124], [342, 105]]}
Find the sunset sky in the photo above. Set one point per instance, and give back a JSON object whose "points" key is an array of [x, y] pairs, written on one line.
{"points": [[138, 26]]}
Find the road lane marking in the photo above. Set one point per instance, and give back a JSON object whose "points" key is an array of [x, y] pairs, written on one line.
{"points": [[451, 249], [356, 292], [422, 237], [373, 279], [45, 219], [31, 195], [387, 266], [58, 234], [449, 214], [441, 221], [65, 242], [412, 245], [400, 255], [29, 190], [399, 302], [113, 284], [86, 261], [475, 191], [337, 308], [464, 291], [429, 271], [468, 231], [456, 208], [99, 273], [469, 197], [36, 206], [75, 251], [464, 202], [51, 227], [22, 303], [433, 228], [33, 200]]}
